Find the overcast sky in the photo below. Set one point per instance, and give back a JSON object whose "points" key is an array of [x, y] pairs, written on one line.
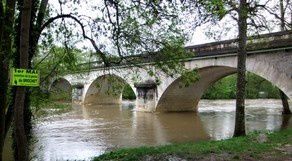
{"points": [[199, 35]]}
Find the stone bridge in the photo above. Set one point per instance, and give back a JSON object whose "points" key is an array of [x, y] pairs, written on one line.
{"points": [[269, 56]]}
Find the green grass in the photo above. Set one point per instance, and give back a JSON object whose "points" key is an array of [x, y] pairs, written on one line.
{"points": [[235, 148]]}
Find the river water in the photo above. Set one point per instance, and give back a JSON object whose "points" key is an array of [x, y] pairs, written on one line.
{"points": [[89, 131]]}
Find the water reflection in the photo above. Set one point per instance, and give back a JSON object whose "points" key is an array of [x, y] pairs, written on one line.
{"points": [[218, 116], [89, 131], [124, 127], [218, 125], [164, 128]]}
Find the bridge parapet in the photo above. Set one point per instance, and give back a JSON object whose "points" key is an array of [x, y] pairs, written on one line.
{"points": [[261, 42], [271, 41]]}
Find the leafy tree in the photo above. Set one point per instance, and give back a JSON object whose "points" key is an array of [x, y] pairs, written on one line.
{"points": [[57, 61], [128, 27], [249, 16], [239, 11]]}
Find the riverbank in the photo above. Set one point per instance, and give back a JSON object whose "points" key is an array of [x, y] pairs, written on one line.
{"points": [[255, 146], [51, 108]]}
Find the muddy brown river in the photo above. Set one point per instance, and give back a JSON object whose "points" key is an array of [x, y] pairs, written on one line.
{"points": [[89, 131]]}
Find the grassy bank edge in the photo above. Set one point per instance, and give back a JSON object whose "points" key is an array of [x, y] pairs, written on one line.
{"points": [[51, 108], [236, 148]]}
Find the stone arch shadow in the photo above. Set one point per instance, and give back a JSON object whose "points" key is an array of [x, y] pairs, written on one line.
{"points": [[105, 89], [178, 98], [61, 90]]}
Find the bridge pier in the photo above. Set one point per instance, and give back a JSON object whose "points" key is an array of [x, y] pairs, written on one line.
{"points": [[147, 96], [77, 93]]}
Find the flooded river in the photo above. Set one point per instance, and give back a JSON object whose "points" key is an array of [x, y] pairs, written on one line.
{"points": [[89, 131]]}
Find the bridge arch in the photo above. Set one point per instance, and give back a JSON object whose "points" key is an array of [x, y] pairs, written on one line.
{"points": [[176, 97], [61, 90], [105, 89]]}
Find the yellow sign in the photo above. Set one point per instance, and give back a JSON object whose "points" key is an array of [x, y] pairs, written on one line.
{"points": [[24, 77]]}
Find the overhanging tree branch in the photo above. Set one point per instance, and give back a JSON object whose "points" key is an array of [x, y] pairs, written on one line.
{"points": [[70, 16]]}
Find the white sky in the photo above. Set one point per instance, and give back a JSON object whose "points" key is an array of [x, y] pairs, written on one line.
{"points": [[199, 36]]}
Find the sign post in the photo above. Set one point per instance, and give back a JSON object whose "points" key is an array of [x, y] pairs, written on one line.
{"points": [[24, 77]]}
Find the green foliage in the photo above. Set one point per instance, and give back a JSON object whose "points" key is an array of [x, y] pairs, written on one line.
{"points": [[60, 95], [235, 148], [168, 60], [128, 28], [145, 27], [189, 77], [256, 84], [226, 88], [223, 89], [42, 104], [39, 98], [111, 84], [128, 93], [115, 86], [216, 7], [57, 61]]}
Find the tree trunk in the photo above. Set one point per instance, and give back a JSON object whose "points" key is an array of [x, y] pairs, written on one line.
{"points": [[3, 89], [3, 97], [285, 121], [241, 70], [282, 14], [20, 136], [2, 84], [5, 50], [284, 98]]}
